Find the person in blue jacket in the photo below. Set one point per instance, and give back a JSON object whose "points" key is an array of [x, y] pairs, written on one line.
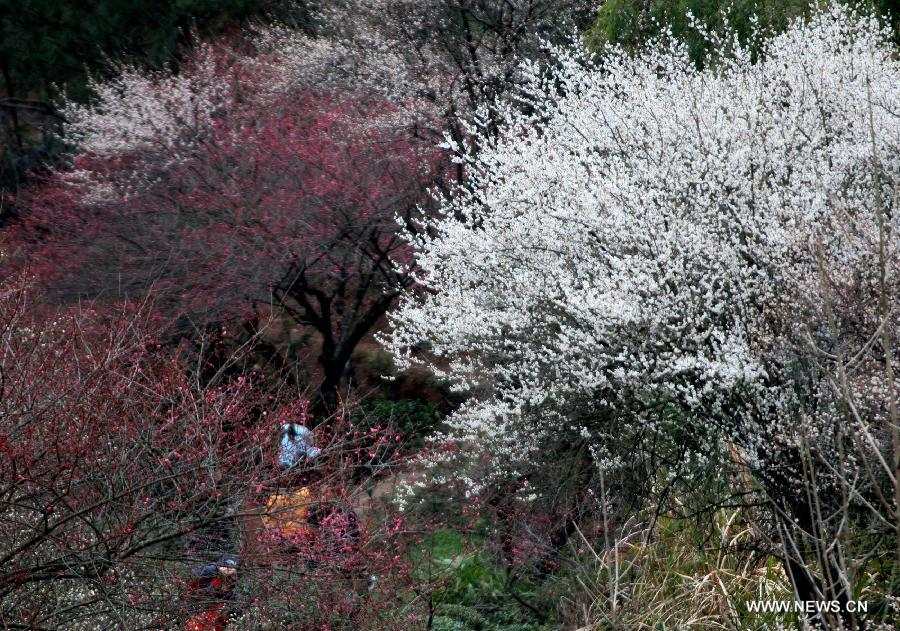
{"points": [[296, 446]]}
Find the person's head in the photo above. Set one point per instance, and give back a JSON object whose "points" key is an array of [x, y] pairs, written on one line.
{"points": [[227, 565], [299, 438], [295, 431]]}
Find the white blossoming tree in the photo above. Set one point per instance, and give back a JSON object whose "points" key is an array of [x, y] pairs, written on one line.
{"points": [[436, 59], [673, 267]]}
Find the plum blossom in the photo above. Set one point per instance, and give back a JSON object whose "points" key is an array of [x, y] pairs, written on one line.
{"points": [[648, 233]]}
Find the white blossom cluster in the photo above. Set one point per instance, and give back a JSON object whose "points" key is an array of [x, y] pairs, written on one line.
{"points": [[646, 232], [151, 120], [434, 59], [137, 109]]}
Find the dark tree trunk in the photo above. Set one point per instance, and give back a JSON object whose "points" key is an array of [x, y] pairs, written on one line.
{"points": [[327, 396], [799, 521]]}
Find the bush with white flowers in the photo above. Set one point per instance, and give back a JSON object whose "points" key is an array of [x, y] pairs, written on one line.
{"points": [[647, 236]]}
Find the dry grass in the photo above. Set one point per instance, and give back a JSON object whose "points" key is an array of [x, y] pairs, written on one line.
{"points": [[673, 578]]}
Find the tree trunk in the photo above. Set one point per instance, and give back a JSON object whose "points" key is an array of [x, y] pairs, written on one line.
{"points": [[327, 396]]}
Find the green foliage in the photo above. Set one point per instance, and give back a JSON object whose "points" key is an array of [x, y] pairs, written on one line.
{"points": [[471, 593], [50, 47], [469, 577], [466, 618], [413, 418], [631, 23], [57, 42]]}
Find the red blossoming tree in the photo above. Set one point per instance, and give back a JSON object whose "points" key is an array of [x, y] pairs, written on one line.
{"points": [[119, 473], [287, 200]]}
